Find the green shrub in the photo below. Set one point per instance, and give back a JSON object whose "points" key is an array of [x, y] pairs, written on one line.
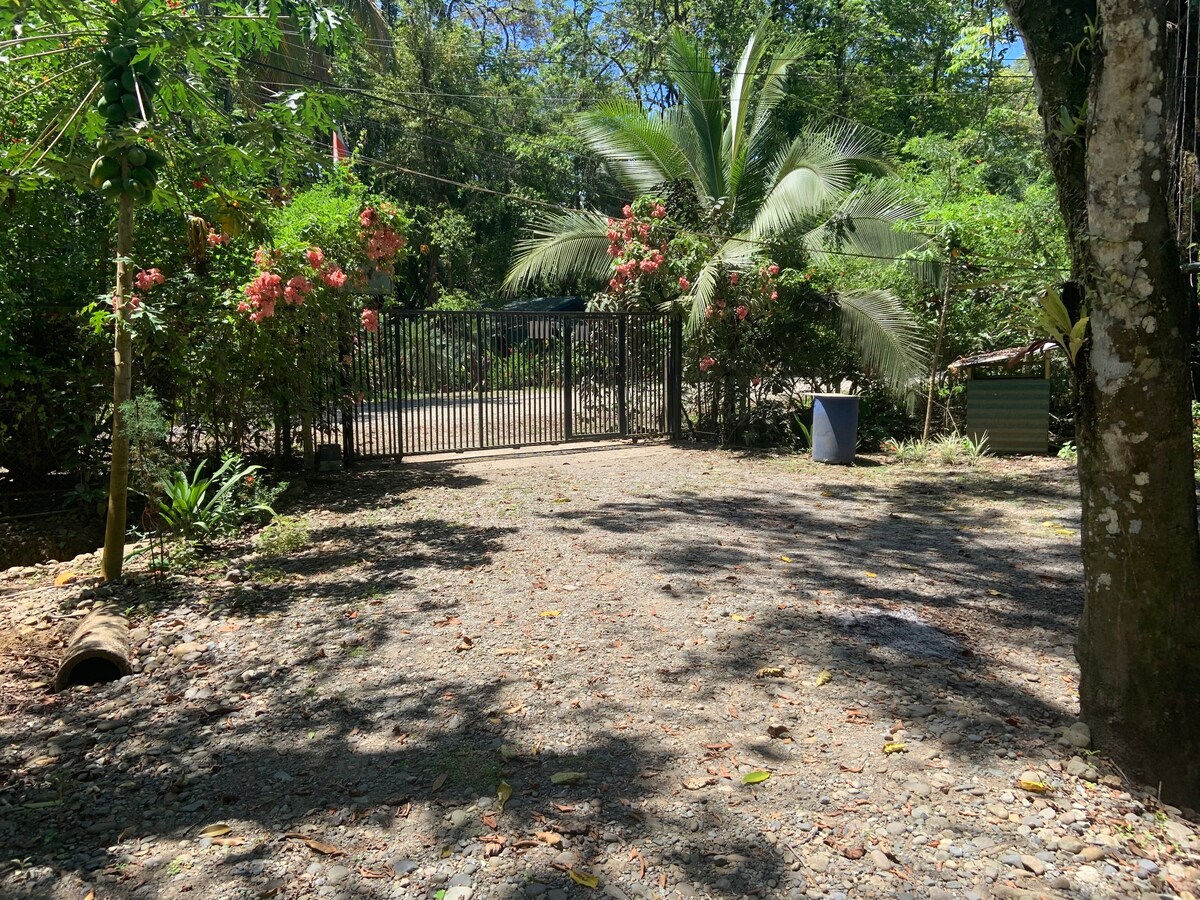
{"points": [[285, 534], [200, 506]]}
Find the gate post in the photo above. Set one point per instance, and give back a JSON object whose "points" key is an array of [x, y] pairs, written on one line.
{"points": [[568, 378], [622, 359], [479, 372], [674, 376]]}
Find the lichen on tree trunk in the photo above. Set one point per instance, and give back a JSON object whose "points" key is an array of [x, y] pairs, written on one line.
{"points": [[1139, 639]]}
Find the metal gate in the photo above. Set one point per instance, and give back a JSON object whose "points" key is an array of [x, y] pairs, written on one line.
{"points": [[432, 381]]}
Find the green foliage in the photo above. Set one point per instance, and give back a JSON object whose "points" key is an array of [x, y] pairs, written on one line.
{"points": [[749, 192], [284, 535], [148, 431], [952, 449], [1070, 452], [199, 506]]}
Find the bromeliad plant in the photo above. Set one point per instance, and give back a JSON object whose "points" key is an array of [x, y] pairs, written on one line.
{"points": [[201, 506]]}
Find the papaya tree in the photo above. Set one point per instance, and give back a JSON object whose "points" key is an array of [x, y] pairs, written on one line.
{"points": [[136, 89]]}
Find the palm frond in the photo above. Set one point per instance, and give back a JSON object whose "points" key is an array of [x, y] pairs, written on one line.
{"points": [[742, 90], [702, 102], [641, 150], [875, 222], [736, 254], [572, 244], [886, 335]]}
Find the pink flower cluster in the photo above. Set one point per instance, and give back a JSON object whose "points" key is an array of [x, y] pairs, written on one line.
{"points": [[217, 239], [743, 286], [264, 258], [297, 288], [383, 242], [263, 292], [370, 320], [638, 247], [706, 363], [147, 279]]}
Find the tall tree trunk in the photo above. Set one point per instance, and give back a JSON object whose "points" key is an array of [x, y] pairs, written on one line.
{"points": [[1139, 639], [118, 477]]}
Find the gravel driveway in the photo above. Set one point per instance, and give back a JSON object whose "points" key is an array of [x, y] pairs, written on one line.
{"points": [[551, 674]]}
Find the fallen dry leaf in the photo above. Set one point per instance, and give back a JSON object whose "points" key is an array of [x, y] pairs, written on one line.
{"points": [[587, 879], [755, 777], [894, 748], [550, 613], [824, 677], [503, 793], [854, 852], [695, 784], [439, 781], [314, 844], [567, 777], [778, 731], [229, 841], [770, 672], [1034, 787], [549, 837], [215, 830]]}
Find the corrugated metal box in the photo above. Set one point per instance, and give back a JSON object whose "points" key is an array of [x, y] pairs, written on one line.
{"points": [[1015, 413]]}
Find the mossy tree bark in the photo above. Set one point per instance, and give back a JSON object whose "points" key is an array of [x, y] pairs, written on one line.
{"points": [[1139, 638], [118, 477]]}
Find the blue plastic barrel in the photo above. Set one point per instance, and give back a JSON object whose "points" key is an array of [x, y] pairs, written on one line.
{"points": [[835, 428]]}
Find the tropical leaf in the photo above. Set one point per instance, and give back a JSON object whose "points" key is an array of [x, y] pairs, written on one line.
{"points": [[699, 87], [885, 334], [641, 150], [572, 244]]}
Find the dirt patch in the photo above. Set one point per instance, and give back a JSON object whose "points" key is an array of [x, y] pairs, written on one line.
{"points": [[604, 644]]}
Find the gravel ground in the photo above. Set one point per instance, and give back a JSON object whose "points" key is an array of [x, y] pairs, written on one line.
{"points": [[548, 675]]}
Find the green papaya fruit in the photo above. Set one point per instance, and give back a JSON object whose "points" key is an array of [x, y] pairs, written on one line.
{"points": [[111, 188], [122, 56], [128, 80], [134, 189], [154, 159], [136, 156], [113, 90], [104, 168], [154, 72], [101, 105], [114, 113], [130, 102], [142, 175], [113, 73]]}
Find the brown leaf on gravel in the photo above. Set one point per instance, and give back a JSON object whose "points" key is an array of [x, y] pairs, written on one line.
{"points": [[695, 784], [272, 889], [464, 643], [854, 770], [769, 672], [649, 773], [449, 620], [215, 830], [778, 731], [854, 852], [549, 837], [314, 844], [369, 873], [229, 841], [438, 782]]}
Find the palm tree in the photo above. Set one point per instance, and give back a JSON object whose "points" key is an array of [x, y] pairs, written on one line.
{"points": [[750, 190]]}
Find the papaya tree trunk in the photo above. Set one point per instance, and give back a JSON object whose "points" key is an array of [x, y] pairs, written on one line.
{"points": [[118, 478]]}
